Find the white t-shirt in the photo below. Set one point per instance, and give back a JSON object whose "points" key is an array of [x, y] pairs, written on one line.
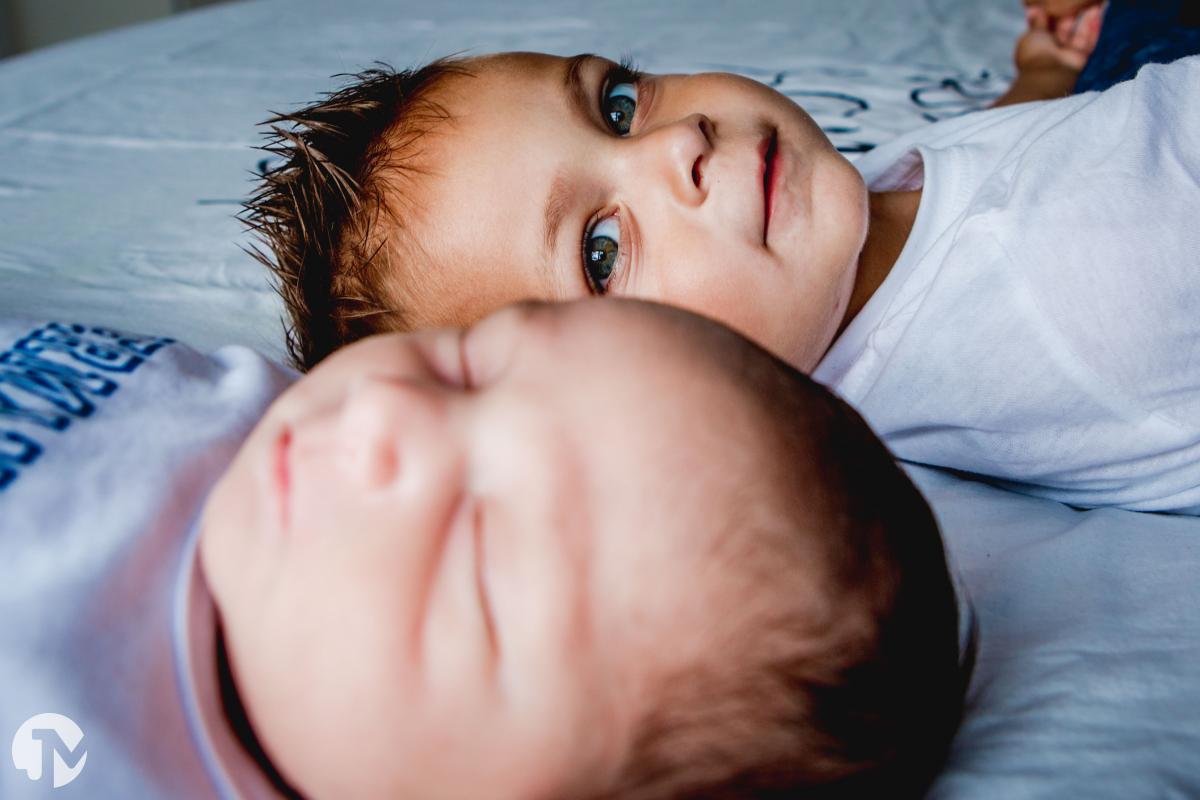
{"points": [[1042, 324], [108, 445]]}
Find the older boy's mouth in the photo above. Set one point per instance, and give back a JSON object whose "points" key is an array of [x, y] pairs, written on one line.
{"points": [[767, 150]]}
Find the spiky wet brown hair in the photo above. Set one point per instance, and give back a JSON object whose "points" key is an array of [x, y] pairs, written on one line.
{"points": [[316, 212]]}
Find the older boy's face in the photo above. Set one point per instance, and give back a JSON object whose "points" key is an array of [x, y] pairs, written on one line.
{"points": [[559, 177], [446, 562]]}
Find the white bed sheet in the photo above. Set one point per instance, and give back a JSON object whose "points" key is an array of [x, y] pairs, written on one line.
{"points": [[1087, 683], [124, 157]]}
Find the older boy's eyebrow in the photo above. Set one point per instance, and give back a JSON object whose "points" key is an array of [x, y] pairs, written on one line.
{"points": [[573, 82], [558, 202]]}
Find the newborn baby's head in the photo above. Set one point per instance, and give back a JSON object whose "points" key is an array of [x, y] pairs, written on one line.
{"points": [[600, 549]]}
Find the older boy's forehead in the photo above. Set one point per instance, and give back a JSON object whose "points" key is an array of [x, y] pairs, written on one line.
{"points": [[485, 175], [521, 69], [531, 63], [525, 82]]}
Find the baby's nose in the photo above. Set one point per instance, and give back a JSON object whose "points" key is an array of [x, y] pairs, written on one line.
{"points": [[384, 423]]}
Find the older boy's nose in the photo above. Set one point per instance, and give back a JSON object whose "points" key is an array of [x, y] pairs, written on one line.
{"points": [[679, 153]]}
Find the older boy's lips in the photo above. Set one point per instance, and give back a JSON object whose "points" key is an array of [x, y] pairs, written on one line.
{"points": [[768, 150]]}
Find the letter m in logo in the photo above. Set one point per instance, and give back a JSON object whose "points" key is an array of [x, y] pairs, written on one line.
{"points": [[52, 744]]}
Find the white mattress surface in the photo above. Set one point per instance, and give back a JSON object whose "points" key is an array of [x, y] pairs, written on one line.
{"points": [[124, 157]]}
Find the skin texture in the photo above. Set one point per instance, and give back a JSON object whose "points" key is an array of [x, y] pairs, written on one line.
{"points": [[1061, 8], [1051, 53], [447, 560], [684, 185]]}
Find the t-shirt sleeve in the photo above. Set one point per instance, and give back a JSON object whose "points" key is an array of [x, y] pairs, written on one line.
{"points": [[1054, 345]]}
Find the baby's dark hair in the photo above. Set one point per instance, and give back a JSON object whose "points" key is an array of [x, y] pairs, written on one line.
{"points": [[859, 699], [323, 190]]}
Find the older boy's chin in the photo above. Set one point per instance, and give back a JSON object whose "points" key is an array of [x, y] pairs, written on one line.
{"points": [[854, 204]]}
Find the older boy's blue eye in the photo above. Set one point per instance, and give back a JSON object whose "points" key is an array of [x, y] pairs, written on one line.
{"points": [[620, 104], [601, 248]]}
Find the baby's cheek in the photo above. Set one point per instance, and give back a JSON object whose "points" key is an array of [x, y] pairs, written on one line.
{"points": [[230, 534]]}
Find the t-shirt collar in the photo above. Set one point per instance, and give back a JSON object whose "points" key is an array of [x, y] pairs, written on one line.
{"points": [[233, 772]]}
